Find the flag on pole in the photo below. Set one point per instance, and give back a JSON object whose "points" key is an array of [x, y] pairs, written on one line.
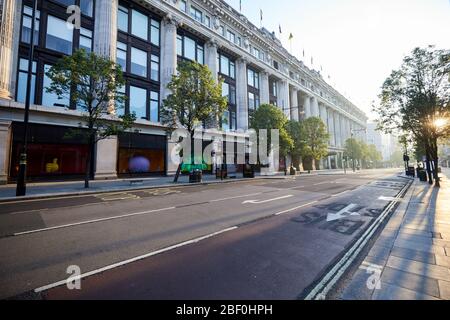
{"points": [[280, 28], [261, 17], [291, 36], [240, 5], [303, 53], [312, 60]]}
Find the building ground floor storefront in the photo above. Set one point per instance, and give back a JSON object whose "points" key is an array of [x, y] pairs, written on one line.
{"points": [[58, 148]]}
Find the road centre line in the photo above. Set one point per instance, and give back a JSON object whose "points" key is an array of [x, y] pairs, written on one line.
{"points": [[340, 193], [135, 259], [92, 221], [292, 209], [123, 216], [237, 197]]}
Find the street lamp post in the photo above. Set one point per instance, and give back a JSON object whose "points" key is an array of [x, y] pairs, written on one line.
{"points": [[21, 188]]}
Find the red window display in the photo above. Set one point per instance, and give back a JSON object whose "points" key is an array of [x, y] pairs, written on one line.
{"points": [[51, 159]]}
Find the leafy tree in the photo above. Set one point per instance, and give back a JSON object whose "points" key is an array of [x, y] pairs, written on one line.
{"points": [[374, 155], [314, 140], [92, 82], [416, 99], [270, 117], [397, 158], [294, 129], [195, 100], [354, 150]]}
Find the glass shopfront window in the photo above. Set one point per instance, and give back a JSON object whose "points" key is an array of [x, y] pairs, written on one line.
{"points": [[53, 151], [141, 154]]}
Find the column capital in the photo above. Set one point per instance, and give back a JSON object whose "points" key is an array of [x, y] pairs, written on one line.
{"points": [[242, 60], [171, 21], [212, 43], [264, 73]]}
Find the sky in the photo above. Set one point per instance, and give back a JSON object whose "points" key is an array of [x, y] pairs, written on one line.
{"points": [[355, 42]]}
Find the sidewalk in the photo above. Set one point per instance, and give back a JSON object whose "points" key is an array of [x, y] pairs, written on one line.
{"points": [[411, 258]]}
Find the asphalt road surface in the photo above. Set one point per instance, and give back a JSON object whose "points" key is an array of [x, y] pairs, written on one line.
{"points": [[258, 239]]}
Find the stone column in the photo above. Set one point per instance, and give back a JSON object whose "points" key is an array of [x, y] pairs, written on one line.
{"points": [[295, 111], [106, 158], [211, 61], [264, 92], [105, 30], [211, 58], [337, 129], [5, 147], [315, 107], [241, 94], [105, 44], [283, 97], [331, 127], [323, 114], [307, 106], [168, 53], [9, 33]]}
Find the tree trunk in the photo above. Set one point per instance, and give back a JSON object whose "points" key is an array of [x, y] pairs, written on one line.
{"points": [[428, 164], [91, 145], [436, 173], [177, 174], [192, 150], [434, 157]]}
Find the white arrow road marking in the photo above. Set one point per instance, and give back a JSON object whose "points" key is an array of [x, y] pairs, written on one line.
{"points": [[343, 213], [265, 201]]}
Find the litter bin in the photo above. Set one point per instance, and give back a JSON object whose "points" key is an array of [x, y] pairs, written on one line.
{"points": [[293, 171], [249, 171], [422, 174], [411, 172], [195, 176]]}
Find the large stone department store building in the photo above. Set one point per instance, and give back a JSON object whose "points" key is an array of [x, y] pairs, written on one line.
{"points": [[148, 38]]}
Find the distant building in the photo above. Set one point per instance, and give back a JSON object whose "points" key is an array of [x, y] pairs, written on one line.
{"points": [[387, 144]]}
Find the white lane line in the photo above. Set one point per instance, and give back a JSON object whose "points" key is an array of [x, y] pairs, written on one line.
{"points": [[320, 183], [299, 207], [93, 221], [341, 193], [237, 197], [268, 200], [125, 262], [28, 211]]}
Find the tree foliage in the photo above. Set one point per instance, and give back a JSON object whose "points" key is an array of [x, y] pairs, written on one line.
{"points": [[356, 149], [195, 99], [294, 129], [270, 117], [416, 99], [314, 138], [92, 83]]}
